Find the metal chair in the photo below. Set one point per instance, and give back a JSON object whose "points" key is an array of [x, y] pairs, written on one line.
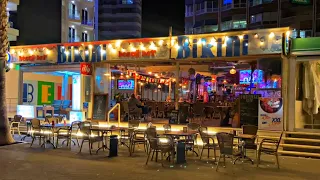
{"points": [[271, 148], [250, 143], [15, 124], [163, 145], [36, 131], [191, 141]]}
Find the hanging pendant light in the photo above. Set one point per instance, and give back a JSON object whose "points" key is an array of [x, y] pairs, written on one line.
{"points": [[233, 71]]}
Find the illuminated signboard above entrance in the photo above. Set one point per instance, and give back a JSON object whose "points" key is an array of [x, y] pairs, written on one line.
{"points": [[196, 46], [33, 54]]}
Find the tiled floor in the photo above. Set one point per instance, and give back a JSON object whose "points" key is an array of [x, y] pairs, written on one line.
{"points": [[22, 162]]}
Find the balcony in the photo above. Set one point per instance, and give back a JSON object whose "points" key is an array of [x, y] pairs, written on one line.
{"points": [[73, 39]]}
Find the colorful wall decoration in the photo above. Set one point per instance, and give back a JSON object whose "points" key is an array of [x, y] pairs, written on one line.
{"points": [[42, 93]]}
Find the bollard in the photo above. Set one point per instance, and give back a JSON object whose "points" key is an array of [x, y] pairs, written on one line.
{"points": [[113, 146], [181, 152]]}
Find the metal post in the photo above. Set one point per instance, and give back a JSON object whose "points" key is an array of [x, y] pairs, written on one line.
{"points": [[176, 91]]}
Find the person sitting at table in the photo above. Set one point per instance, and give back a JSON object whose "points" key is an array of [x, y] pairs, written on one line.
{"points": [[133, 105]]}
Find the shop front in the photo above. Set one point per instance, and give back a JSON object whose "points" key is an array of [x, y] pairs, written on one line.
{"points": [[217, 80], [303, 86]]}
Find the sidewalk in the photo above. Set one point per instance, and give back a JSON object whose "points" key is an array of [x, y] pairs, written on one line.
{"points": [[20, 162]]}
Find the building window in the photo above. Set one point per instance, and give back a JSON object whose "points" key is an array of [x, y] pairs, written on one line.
{"points": [[227, 4], [256, 18], [239, 4], [240, 24], [212, 6], [84, 16], [210, 28], [269, 16], [226, 25], [189, 10], [258, 2], [200, 8], [303, 33], [72, 34], [126, 1], [84, 37]]}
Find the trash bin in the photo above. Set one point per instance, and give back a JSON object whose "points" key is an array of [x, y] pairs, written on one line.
{"points": [[181, 152], [113, 146]]}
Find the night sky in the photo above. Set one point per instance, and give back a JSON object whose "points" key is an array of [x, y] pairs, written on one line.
{"points": [[159, 15]]}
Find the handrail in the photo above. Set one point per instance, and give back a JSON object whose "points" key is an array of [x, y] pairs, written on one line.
{"points": [[109, 112]]}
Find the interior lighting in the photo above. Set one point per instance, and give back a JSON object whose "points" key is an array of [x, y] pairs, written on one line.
{"points": [[186, 41], [90, 46], [261, 43], [127, 76], [132, 48], [118, 43], [103, 52], [47, 51], [271, 35], [150, 73], [173, 41], [256, 35], [226, 38], [12, 51], [240, 37], [110, 46], [199, 42], [123, 50], [107, 74], [159, 86], [76, 51], [288, 33], [86, 52], [142, 47], [156, 75], [233, 71], [177, 46], [113, 77], [113, 50], [152, 46], [31, 52], [11, 65], [160, 42], [66, 52]]}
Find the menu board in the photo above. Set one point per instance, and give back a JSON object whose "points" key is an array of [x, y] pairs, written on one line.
{"points": [[249, 109], [173, 117], [100, 107]]}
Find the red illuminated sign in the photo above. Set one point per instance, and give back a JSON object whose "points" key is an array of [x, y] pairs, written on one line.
{"points": [[85, 68], [33, 58], [137, 54]]}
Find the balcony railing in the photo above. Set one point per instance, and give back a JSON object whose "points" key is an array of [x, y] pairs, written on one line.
{"points": [[73, 39], [74, 16], [87, 22]]}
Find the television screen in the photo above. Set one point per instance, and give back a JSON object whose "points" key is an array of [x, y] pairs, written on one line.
{"points": [[126, 84], [26, 111], [245, 76]]}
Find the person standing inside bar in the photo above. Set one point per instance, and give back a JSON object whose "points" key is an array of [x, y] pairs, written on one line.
{"points": [[133, 105]]}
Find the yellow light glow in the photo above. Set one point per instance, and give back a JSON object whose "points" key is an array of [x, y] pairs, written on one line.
{"points": [[186, 41], [113, 77], [271, 35], [113, 50], [118, 43], [110, 46], [288, 33], [174, 79], [224, 45], [233, 71], [76, 51], [12, 51], [123, 50], [261, 42], [90, 46], [103, 52], [11, 65], [160, 42], [156, 74], [132, 48], [31, 52], [142, 47], [226, 38], [256, 35], [107, 74], [241, 37], [152, 46], [177, 46], [199, 42], [48, 51], [150, 73], [20, 53], [172, 42], [67, 53], [127, 76], [86, 52], [141, 83]]}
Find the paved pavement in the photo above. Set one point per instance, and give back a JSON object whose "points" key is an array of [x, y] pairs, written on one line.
{"points": [[20, 162]]}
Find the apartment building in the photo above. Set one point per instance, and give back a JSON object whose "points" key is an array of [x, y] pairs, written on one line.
{"points": [[206, 16], [119, 19], [55, 21], [13, 32]]}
